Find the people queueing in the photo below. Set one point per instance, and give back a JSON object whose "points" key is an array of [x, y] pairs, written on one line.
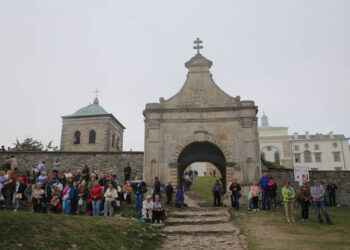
{"points": [[288, 195], [271, 190], [305, 199], [217, 192], [317, 193], [264, 180], [235, 189], [331, 189]]}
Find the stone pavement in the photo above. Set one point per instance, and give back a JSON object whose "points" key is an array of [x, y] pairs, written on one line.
{"points": [[201, 227]]}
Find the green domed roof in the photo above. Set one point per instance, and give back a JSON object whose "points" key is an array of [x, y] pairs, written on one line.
{"points": [[92, 109]]}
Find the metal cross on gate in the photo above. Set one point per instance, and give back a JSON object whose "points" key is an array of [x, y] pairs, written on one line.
{"points": [[198, 46]]}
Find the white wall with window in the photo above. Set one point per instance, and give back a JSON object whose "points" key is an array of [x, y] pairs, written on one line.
{"points": [[321, 152]]}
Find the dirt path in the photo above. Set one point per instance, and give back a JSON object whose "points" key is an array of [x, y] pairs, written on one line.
{"points": [[201, 226]]}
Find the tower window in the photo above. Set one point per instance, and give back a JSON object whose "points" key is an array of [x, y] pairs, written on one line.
{"points": [[76, 139], [113, 140], [92, 136]]}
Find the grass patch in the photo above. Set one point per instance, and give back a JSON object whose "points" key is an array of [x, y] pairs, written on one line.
{"points": [[269, 230], [50, 231], [203, 187]]}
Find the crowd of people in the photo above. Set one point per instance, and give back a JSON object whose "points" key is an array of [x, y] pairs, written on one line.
{"points": [[86, 192], [267, 188], [91, 192]]}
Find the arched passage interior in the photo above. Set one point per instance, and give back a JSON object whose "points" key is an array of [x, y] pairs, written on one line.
{"points": [[202, 152]]}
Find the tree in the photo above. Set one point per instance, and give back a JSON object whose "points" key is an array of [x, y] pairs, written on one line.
{"points": [[30, 144]]}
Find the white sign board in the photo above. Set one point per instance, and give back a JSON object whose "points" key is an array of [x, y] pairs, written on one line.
{"points": [[301, 174]]}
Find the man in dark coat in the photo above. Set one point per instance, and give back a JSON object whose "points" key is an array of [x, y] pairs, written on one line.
{"points": [[217, 191], [127, 172]]}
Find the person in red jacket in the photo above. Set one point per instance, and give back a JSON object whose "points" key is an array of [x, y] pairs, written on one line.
{"points": [[96, 195]]}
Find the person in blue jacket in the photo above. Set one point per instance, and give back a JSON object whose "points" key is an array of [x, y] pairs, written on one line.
{"points": [[179, 197], [264, 180]]}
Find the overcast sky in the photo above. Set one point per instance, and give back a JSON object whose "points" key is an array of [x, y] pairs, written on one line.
{"points": [[291, 57]]}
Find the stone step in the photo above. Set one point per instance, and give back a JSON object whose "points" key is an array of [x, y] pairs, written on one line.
{"points": [[191, 242], [206, 229], [196, 220], [189, 213]]}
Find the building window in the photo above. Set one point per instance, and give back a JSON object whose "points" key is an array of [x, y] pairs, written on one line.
{"points": [[297, 158], [336, 156], [338, 168], [76, 139], [317, 147], [277, 158], [118, 146], [318, 157], [113, 140], [92, 136], [262, 156], [335, 145], [268, 148], [306, 145], [307, 157], [296, 147]]}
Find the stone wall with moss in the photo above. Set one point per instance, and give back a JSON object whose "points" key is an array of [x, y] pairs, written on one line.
{"points": [[340, 178], [115, 161]]}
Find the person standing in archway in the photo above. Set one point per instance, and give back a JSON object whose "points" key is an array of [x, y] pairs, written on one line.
{"points": [[235, 188], [217, 191]]}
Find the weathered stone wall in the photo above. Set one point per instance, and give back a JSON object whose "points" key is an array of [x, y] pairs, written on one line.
{"points": [[340, 178], [76, 160]]}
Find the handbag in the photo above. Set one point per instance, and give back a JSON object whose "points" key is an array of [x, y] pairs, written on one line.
{"points": [[117, 203], [18, 196], [80, 202]]}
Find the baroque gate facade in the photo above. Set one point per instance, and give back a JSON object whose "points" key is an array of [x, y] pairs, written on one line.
{"points": [[201, 123]]}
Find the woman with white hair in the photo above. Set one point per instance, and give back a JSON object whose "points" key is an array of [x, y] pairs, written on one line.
{"points": [[147, 208], [158, 211]]}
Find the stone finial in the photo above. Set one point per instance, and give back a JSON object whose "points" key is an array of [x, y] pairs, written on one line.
{"points": [[161, 100], [96, 102]]}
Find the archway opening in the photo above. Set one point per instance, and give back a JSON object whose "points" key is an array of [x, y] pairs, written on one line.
{"points": [[205, 154]]}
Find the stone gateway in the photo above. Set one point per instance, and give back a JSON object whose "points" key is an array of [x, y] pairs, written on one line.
{"points": [[201, 123]]}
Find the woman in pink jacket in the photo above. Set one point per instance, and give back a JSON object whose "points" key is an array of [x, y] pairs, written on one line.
{"points": [[254, 192]]}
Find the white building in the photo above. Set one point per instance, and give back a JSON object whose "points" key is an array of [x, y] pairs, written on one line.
{"points": [[274, 143], [321, 152], [318, 152]]}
